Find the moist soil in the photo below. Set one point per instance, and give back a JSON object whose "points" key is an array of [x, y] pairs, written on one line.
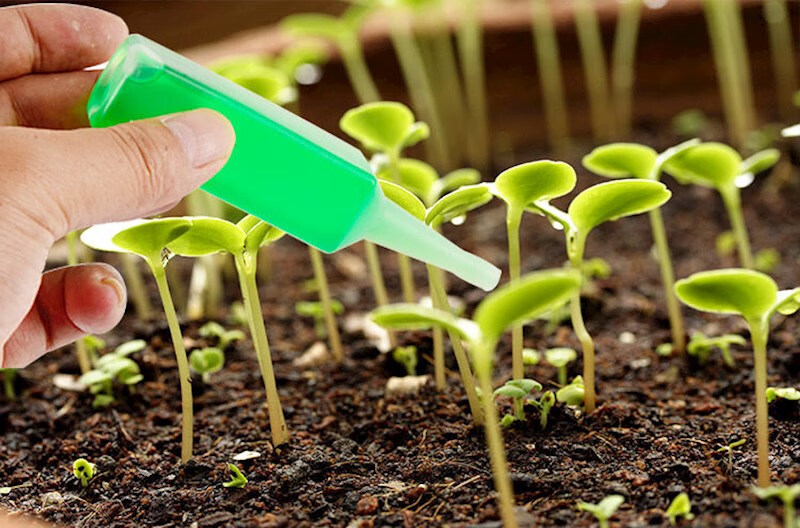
{"points": [[359, 458]]}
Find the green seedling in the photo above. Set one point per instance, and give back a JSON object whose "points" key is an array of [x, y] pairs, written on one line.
{"points": [[224, 337], [631, 160], [518, 390], [207, 361], [530, 357], [729, 449], [407, 356], [779, 27], [149, 239], [520, 301], [330, 306], [93, 346], [114, 366], [560, 358], [545, 404], [470, 49], [701, 346], [83, 470], [623, 62], [787, 495], [603, 510], [594, 206], [783, 393], [316, 311], [681, 506], [518, 187], [9, 375], [242, 240], [238, 480], [594, 69], [720, 167], [756, 298], [690, 123], [572, 394]]}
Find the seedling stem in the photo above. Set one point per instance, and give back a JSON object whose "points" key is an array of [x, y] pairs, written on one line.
{"points": [[513, 220], [732, 200], [84, 361], [321, 278]]}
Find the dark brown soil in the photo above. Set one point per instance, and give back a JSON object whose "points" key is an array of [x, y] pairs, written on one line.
{"points": [[356, 458]]}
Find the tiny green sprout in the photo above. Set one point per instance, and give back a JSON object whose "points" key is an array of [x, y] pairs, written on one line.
{"points": [[224, 337], [560, 358], [784, 393], [316, 311], [83, 470], [729, 449], [681, 506], [518, 390], [93, 346], [545, 404], [113, 366], [701, 346], [572, 394], [603, 510], [766, 260], [407, 356], [530, 357], [786, 494], [238, 480], [596, 268], [690, 123], [755, 297], [9, 375], [207, 361]]}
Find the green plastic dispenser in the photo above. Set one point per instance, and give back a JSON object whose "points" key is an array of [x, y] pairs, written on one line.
{"points": [[283, 169]]}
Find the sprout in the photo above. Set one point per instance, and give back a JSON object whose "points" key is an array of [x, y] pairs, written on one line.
{"points": [[545, 403], [530, 357], [560, 358], [690, 123], [207, 361], [238, 480], [681, 506], [117, 366], [603, 510], [572, 394], [756, 298], [93, 345], [224, 337], [729, 449], [9, 375], [83, 470], [631, 160], [407, 356], [316, 311], [788, 393], [701, 346], [787, 495], [518, 390], [718, 166], [526, 298]]}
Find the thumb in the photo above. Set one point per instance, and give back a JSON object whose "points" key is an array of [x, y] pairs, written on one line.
{"points": [[72, 179]]}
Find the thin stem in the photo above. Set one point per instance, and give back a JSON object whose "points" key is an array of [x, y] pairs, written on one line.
{"points": [[84, 361], [781, 49], [406, 278], [575, 246], [623, 63], [357, 71], [759, 333], [184, 374], [255, 319], [136, 287], [8, 383], [513, 219], [594, 67], [789, 513], [732, 200], [470, 48], [321, 278], [668, 281], [438, 359], [378, 286]]}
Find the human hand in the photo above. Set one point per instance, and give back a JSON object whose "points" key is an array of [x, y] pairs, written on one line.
{"points": [[54, 179]]}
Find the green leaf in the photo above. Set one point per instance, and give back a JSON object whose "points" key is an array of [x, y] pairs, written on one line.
{"points": [[415, 317], [708, 164], [238, 480], [209, 235], [526, 384], [748, 293], [458, 203], [538, 180], [681, 506], [417, 132], [129, 347], [573, 393], [146, 238], [787, 302], [261, 234], [270, 83], [530, 357], [381, 127], [404, 199], [560, 357], [94, 377], [615, 199], [452, 181], [786, 494], [315, 25], [207, 360], [760, 161], [531, 295], [604, 509], [413, 175], [786, 393], [622, 160], [510, 391]]}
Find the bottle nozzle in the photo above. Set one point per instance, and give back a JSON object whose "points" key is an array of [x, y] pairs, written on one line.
{"points": [[390, 226]]}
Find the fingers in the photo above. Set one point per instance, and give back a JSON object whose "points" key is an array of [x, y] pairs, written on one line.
{"points": [[65, 180], [56, 38], [47, 100], [72, 302]]}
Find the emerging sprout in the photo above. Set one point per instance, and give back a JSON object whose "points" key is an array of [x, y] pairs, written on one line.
{"points": [[407, 356], [207, 361], [788, 393], [787, 495], [560, 358], [572, 394], [603, 510], [518, 390], [9, 375], [544, 404], [316, 311], [756, 298], [83, 471], [681, 506], [238, 480], [530, 357], [701, 346], [113, 366], [224, 337], [729, 449]]}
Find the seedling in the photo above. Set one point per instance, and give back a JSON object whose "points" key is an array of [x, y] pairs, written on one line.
{"points": [[520, 301], [9, 375], [756, 298], [787, 495], [518, 391], [149, 239], [572, 394], [530, 357], [787, 393], [720, 167], [690, 123], [603, 510], [407, 356], [316, 311], [83, 470], [681, 506], [729, 449], [470, 48], [701, 346], [560, 358], [207, 361], [594, 69], [631, 160], [224, 337], [238, 480], [110, 367], [330, 307], [545, 403], [93, 346], [623, 62]]}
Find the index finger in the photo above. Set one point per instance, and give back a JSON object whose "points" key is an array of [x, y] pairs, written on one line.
{"points": [[56, 38]]}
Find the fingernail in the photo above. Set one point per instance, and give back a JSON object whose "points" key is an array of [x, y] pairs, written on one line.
{"points": [[205, 135], [118, 287]]}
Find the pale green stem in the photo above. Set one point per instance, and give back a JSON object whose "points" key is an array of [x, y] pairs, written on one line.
{"points": [[575, 251], [781, 49], [732, 201], [8, 383], [82, 354], [789, 513], [184, 374], [513, 219], [470, 47], [136, 287], [759, 332], [552, 85], [255, 319], [668, 281], [378, 286], [321, 278], [742, 59], [623, 63], [594, 67], [357, 70], [403, 262], [438, 359]]}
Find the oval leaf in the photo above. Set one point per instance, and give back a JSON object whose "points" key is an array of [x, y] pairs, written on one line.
{"points": [[100, 236], [209, 235], [404, 199], [452, 181], [149, 238], [560, 357], [708, 164], [414, 175], [760, 161], [748, 293], [458, 203], [537, 180], [622, 160], [615, 199], [382, 126], [415, 317]]}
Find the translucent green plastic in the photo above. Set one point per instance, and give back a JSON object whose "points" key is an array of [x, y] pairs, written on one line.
{"points": [[283, 169]]}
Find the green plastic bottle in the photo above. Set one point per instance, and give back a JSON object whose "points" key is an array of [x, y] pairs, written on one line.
{"points": [[283, 169]]}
